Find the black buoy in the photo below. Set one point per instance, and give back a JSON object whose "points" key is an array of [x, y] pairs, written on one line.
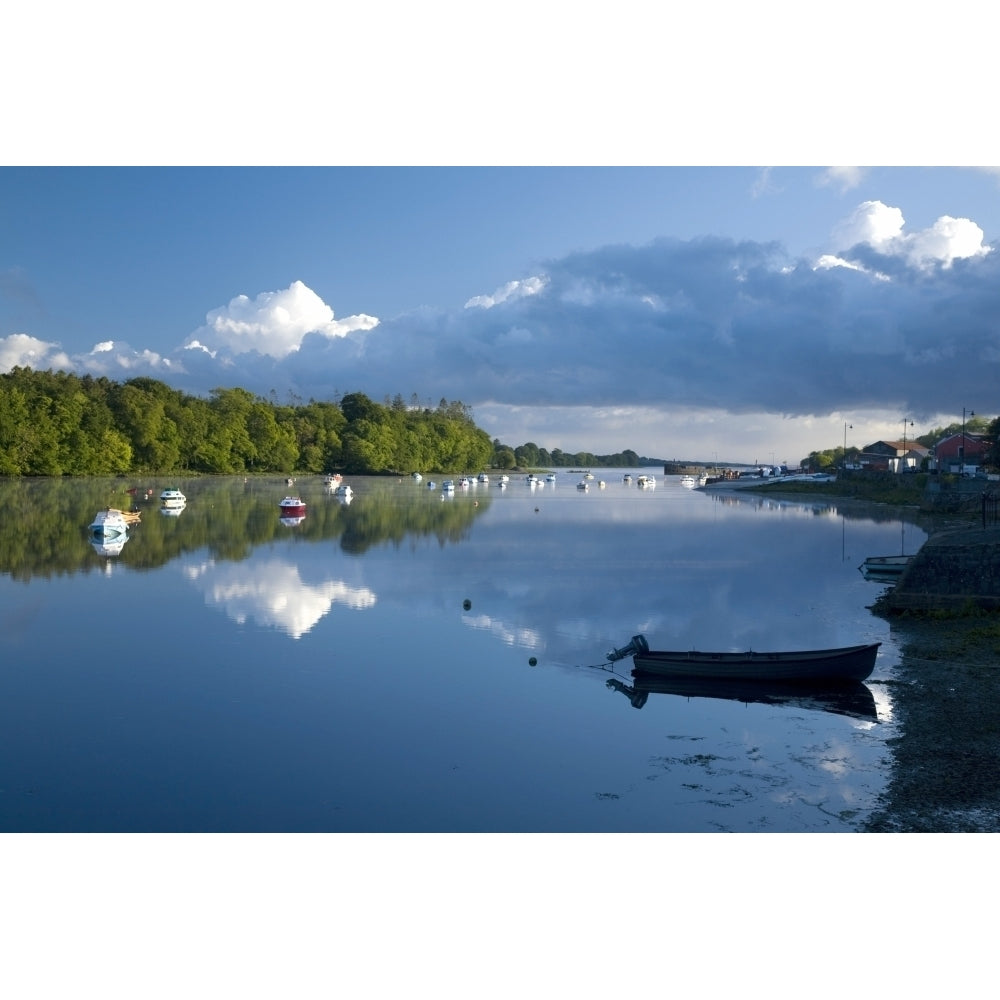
{"points": [[466, 604], [532, 662]]}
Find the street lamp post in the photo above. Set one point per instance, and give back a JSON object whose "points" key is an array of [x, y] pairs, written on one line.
{"points": [[904, 441], [961, 447], [843, 461]]}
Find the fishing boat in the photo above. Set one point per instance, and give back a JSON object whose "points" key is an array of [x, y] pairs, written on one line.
{"points": [[293, 507], [172, 497], [847, 663], [885, 569]]}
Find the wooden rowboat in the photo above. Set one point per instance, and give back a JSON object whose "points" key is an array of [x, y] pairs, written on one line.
{"points": [[847, 663]]}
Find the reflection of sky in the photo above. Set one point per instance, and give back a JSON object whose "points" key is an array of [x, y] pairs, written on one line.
{"points": [[270, 592], [289, 710]]}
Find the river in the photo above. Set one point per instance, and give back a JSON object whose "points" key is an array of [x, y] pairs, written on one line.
{"points": [[420, 662]]}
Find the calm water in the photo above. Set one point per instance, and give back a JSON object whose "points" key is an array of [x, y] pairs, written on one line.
{"points": [[368, 668]]}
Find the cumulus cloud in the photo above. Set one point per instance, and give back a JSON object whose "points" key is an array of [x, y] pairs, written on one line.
{"points": [[23, 351], [881, 227], [274, 323]]}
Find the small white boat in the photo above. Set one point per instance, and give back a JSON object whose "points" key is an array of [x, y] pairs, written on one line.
{"points": [[505, 478], [432, 485], [448, 486], [172, 497], [343, 490], [482, 478], [417, 477], [627, 478], [688, 481], [646, 482], [111, 524], [465, 482], [332, 480], [550, 478], [884, 569], [583, 485]]}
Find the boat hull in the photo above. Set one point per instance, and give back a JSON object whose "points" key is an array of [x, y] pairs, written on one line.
{"points": [[848, 663]]}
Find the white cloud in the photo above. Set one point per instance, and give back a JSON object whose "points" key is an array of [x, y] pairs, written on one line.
{"points": [[881, 227], [509, 292], [20, 350], [844, 178], [274, 323], [947, 240]]}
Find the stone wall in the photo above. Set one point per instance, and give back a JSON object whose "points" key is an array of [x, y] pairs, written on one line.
{"points": [[952, 570]]}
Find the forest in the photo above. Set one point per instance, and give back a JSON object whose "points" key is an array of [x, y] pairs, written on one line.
{"points": [[57, 424], [63, 424]]}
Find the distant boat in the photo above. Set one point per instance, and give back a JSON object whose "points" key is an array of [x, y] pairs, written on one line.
{"points": [[646, 482], [688, 481], [172, 497], [292, 507], [583, 485], [417, 477], [482, 478], [846, 663], [884, 568]]}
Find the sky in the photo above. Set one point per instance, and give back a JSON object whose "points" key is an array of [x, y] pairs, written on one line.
{"points": [[379, 238]]}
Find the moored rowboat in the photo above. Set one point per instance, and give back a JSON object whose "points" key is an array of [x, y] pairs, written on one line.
{"points": [[847, 663]]}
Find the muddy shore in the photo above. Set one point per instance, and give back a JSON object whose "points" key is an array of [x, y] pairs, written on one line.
{"points": [[946, 768]]}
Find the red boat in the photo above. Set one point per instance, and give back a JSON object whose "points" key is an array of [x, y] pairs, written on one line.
{"points": [[293, 507]]}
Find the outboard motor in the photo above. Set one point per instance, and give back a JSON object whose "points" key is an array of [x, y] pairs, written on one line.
{"points": [[637, 645]]}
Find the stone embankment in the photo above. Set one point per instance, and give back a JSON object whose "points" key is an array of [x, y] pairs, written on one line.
{"points": [[953, 571]]}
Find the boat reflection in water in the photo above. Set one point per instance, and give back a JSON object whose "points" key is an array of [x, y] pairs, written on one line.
{"points": [[851, 698], [106, 547]]}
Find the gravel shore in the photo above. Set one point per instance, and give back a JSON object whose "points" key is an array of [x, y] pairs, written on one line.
{"points": [[946, 768]]}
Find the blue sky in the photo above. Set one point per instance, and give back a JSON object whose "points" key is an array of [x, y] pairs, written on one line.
{"points": [[739, 312]]}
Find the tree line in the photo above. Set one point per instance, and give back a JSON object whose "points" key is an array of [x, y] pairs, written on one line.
{"points": [[59, 423]]}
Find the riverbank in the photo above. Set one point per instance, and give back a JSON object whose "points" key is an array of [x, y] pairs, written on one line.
{"points": [[947, 756]]}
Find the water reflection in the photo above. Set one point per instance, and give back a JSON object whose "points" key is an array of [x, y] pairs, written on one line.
{"points": [[272, 593], [444, 639], [855, 700]]}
